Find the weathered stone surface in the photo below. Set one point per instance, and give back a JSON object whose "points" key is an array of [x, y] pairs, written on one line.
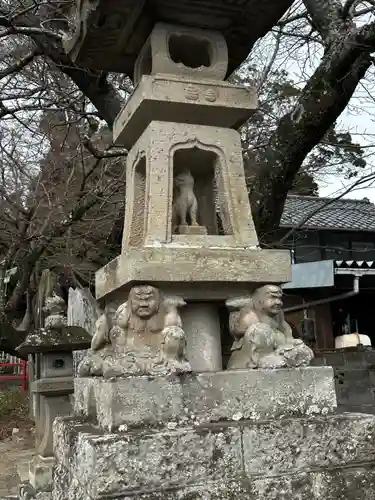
{"points": [[297, 445], [56, 364], [109, 34], [82, 311], [214, 157], [207, 397], [53, 386], [317, 458], [61, 484], [125, 462], [65, 434], [157, 97], [198, 266], [40, 473], [57, 339], [51, 406], [135, 400], [203, 336], [221, 490], [183, 50], [357, 483], [261, 394], [27, 492]]}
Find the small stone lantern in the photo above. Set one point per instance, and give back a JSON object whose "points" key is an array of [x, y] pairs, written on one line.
{"points": [[52, 348]]}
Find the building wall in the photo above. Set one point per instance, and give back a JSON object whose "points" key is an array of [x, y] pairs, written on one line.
{"points": [[314, 245], [321, 315], [354, 371]]}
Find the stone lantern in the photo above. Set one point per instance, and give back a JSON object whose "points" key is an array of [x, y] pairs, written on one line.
{"points": [[156, 416], [182, 120], [52, 386]]}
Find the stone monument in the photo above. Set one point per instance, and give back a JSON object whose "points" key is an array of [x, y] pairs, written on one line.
{"points": [[155, 415]]}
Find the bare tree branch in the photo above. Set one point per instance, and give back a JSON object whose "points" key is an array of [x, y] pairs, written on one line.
{"points": [[21, 63], [93, 84], [109, 153]]}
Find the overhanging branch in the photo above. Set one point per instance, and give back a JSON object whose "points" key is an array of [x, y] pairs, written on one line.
{"points": [[93, 84], [326, 16], [21, 63], [100, 154], [322, 101]]}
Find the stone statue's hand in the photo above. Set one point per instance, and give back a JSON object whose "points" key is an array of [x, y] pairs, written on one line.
{"points": [[179, 366], [173, 333], [285, 348], [300, 355], [260, 334], [296, 342], [174, 338], [272, 361], [174, 342]]}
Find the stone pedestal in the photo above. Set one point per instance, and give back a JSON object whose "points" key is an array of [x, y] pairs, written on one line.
{"points": [[206, 397], [55, 394], [252, 434]]}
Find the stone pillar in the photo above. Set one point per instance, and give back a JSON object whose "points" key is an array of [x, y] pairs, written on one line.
{"points": [[202, 327], [82, 311]]}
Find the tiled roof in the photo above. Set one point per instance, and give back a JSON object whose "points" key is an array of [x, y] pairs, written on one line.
{"points": [[343, 214]]}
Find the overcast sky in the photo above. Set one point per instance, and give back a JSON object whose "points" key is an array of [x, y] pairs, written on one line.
{"points": [[358, 118], [361, 123]]}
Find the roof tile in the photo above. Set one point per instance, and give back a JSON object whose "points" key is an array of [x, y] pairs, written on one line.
{"points": [[328, 213]]}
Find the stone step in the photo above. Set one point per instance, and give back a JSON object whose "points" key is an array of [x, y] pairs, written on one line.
{"points": [[264, 456], [337, 484], [294, 445]]}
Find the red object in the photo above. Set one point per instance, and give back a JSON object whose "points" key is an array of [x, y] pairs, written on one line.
{"points": [[23, 376]]}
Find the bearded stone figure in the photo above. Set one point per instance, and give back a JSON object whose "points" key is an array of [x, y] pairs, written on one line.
{"points": [[263, 339], [144, 336]]}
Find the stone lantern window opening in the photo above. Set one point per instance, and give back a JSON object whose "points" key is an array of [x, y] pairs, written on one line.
{"points": [[205, 167], [190, 51]]}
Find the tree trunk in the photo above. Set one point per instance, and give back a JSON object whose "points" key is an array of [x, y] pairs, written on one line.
{"points": [[324, 98]]}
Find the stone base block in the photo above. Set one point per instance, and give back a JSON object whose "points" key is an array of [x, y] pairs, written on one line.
{"points": [[40, 473], [197, 266], [172, 99], [206, 397], [316, 458], [124, 462]]}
